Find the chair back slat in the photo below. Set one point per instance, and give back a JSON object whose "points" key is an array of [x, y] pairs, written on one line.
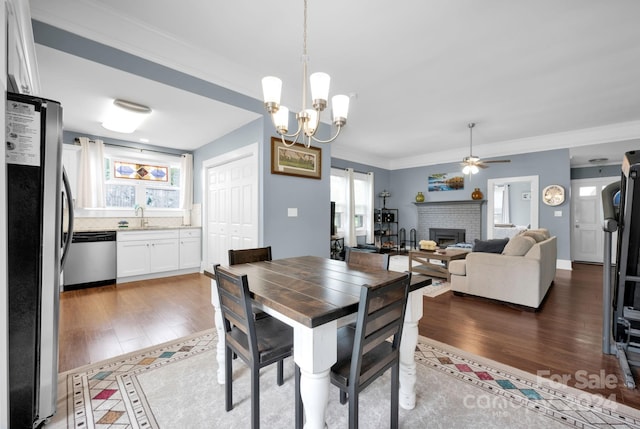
{"points": [[245, 256], [235, 303], [380, 317], [366, 259]]}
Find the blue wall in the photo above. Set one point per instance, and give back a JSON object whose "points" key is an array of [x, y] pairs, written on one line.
{"points": [[551, 167], [306, 234], [309, 232]]}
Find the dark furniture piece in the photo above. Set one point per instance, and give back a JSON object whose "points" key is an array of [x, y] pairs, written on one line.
{"points": [[413, 239], [244, 256], [386, 229], [257, 342], [337, 247], [402, 238], [366, 259], [313, 294], [364, 353]]}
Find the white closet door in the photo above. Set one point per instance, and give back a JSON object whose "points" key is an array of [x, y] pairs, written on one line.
{"points": [[232, 206]]}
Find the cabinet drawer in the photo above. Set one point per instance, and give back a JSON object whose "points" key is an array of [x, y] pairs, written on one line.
{"points": [[147, 235], [190, 233]]}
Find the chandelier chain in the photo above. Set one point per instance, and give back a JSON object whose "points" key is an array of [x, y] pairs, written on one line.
{"points": [[304, 31]]}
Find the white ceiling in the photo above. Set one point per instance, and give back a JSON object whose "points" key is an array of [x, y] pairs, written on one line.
{"points": [[533, 75]]}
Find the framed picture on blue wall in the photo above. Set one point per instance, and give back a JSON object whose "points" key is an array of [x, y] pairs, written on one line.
{"points": [[446, 182], [295, 160]]}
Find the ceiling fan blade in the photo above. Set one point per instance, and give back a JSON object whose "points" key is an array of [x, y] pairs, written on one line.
{"points": [[497, 160]]}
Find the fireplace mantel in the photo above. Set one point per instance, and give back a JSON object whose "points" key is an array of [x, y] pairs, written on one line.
{"points": [[426, 203]]}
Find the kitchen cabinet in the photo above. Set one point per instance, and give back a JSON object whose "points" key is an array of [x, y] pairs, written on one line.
{"points": [[22, 70], [190, 248], [147, 252]]}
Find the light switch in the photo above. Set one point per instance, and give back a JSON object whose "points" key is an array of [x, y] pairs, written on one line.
{"points": [[557, 213], [292, 212]]}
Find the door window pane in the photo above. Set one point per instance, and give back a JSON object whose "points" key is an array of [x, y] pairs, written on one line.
{"points": [[588, 191]]}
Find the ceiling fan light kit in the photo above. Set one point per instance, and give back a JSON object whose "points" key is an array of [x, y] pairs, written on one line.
{"points": [[308, 118]]}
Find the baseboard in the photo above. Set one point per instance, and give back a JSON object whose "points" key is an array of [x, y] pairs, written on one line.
{"points": [[159, 275], [563, 264]]}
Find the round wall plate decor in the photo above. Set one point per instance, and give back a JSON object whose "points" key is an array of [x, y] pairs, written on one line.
{"points": [[553, 195]]}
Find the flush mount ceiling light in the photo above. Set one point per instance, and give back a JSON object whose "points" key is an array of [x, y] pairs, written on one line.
{"points": [[125, 116], [308, 119]]}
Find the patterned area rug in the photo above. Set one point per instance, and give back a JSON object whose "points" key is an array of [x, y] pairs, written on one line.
{"points": [[174, 385]]}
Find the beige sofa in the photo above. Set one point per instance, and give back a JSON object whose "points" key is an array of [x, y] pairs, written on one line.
{"points": [[521, 275]]}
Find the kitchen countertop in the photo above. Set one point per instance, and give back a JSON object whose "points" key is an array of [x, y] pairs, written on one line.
{"points": [[136, 228]]}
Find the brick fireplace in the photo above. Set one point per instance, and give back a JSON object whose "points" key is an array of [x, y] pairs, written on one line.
{"points": [[454, 215]]}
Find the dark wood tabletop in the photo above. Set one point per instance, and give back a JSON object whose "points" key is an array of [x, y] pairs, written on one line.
{"points": [[312, 290]]}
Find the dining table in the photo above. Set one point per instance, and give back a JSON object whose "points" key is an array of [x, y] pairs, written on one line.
{"points": [[316, 296]]}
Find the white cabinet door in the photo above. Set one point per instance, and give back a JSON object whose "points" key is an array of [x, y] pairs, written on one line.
{"points": [[190, 252], [190, 248], [133, 258], [163, 255]]}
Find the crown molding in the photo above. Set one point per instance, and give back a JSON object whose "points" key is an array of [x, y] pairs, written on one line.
{"points": [[565, 140]]}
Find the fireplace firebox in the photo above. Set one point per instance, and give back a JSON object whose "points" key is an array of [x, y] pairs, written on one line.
{"points": [[446, 236]]}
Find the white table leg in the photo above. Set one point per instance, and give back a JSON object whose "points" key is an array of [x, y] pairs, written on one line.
{"points": [[407, 350], [220, 329], [314, 351]]}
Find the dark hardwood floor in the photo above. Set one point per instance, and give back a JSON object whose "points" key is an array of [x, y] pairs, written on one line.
{"points": [[562, 341]]}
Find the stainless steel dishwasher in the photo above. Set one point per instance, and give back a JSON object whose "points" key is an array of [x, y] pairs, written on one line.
{"points": [[91, 260]]}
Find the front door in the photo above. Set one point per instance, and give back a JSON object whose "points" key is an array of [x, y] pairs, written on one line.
{"points": [[587, 236]]}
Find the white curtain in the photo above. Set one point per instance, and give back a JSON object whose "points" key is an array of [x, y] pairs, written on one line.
{"points": [[371, 200], [91, 187], [186, 181], [506, 216], [350, 238]]}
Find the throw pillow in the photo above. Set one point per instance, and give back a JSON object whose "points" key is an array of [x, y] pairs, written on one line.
{"points": [[518, 245], [495, 245], [535, 234], [543, 231]]}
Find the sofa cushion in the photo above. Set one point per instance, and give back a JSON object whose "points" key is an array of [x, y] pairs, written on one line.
{"points": [[518, 245], [495, 245]]}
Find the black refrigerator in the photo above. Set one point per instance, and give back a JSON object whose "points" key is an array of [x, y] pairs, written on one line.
{"points": [[37, 194]]}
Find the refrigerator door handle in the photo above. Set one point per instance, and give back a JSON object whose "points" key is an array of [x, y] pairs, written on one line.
{"points": [[67, 242]]}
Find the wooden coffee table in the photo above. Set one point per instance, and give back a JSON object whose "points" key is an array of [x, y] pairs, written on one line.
{"points": [[425, 266]]}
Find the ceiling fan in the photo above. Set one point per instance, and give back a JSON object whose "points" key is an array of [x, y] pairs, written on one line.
{"points": [[472, 163]]}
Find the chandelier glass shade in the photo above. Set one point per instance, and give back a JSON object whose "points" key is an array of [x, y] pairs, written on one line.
{"points": [[308, 118]]}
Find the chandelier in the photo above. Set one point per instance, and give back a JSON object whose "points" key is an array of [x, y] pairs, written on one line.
{"points": [[308, 118]]}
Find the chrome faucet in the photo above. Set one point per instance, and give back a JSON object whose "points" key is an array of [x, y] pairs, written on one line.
{"points": [[143, 221]]}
